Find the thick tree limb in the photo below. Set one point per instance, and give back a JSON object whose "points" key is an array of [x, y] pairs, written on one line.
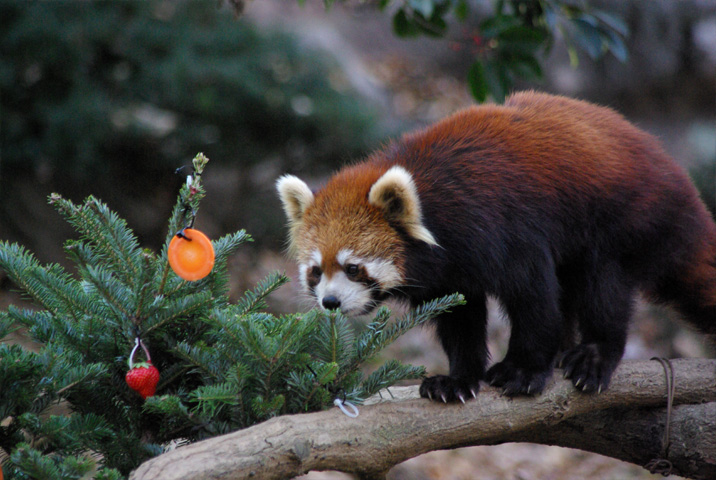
{"points": [[626, 422]]}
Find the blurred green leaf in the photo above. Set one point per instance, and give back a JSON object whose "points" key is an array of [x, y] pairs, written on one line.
{"points": [[477, 81], [526, 67], [612, 22], [493, 26], [498, 80], [615, 44], [434, 27], [403, 26], [462, 10], [588, 37], [516, 35], [520, 39]]}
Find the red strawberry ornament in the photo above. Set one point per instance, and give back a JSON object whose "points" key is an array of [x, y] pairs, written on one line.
{"points": [[143, 379]]}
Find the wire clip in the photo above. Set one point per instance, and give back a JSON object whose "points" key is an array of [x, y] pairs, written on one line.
{"points": [[342, 404]]}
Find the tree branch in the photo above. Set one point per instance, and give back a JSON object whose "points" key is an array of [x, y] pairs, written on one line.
{"points": [[625, 422]]}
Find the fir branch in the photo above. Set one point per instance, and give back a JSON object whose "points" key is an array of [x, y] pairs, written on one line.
{"points": [[254, 300], [368, 345], [100, 281], [334, 335], [228, 244], [106, 231], [226, 326], [211, 398], [19, 370], [165, 275], [188, 200], [41, 323], [176, 308], [267, 407], [223, 365], [177, 421], [66, 434], [59, 290], [77, 375], [6, 325], [295, 329], [143, 290], [49, 287], [202, 358], [15, 260], [386, 375]]}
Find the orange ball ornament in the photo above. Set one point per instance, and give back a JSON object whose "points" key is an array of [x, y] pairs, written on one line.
{"points": [[191, 254]]}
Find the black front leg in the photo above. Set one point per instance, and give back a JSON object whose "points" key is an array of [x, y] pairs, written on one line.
{"points": [[536, 336], [462, 334]]}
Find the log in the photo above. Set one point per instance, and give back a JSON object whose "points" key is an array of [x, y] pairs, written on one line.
{"points": [[626, 422]]}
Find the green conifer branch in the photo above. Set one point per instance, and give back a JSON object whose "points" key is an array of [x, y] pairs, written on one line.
{"points": [[211, 398], [254, 300], [20, 265], [385, 376], [106, 231], [176, 309], [379, 334], [143, 292], [100, 281], [201, 357]]}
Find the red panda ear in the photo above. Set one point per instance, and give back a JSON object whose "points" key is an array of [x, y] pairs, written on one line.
{"points": [[395, 193], [296, 197]]}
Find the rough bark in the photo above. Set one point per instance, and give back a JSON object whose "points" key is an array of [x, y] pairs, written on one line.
{"points": [[625, 422]]}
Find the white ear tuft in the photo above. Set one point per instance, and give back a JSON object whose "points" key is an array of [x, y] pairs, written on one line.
{"points": [[396, 194], [296, 197]]}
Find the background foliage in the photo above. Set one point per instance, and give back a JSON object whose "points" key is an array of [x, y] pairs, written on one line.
{"points": [[510, 44]]}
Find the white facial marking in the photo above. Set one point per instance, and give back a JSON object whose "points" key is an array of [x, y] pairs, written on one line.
{"points": [[313, 261], [384, 272], [346, 256], [354, 296]]}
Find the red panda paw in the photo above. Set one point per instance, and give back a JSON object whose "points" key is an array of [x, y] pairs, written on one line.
{"points": [[442, 388], [515, 380], [588, 367]]}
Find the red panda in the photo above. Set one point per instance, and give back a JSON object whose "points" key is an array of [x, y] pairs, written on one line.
{"points": [[559, 208]]}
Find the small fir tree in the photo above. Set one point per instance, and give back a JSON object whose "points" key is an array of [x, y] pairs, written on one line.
{"points": [[223, 365]]}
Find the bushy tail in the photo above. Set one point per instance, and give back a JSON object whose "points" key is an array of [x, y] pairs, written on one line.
{"points": [[697, 300]]}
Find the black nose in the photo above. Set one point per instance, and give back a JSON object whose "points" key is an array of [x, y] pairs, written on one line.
{"points": [[330, 302]]}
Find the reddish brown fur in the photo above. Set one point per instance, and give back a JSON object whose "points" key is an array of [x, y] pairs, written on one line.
{"points": [[560, 208], [342, 218]]}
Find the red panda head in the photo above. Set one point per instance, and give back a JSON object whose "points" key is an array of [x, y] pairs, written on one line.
{"points": [[346, 238]]}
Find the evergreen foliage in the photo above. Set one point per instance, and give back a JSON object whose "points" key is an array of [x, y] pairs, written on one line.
{"points": [[66, 411]]}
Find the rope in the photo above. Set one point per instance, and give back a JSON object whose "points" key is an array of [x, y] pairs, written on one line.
{"points": [[662, 465]]}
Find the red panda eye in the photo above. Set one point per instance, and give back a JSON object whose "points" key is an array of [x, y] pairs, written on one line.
{"points": [[352, 269], [316, 271]]}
